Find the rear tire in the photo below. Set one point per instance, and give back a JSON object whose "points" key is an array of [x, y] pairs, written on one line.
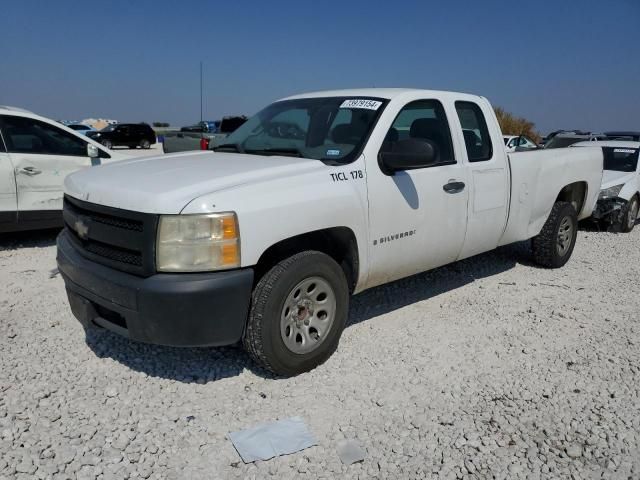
{"points": [[629, 215], [299, 309], [554, 245]]}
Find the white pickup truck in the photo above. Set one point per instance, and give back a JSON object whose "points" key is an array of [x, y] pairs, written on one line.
{"points": [[316, 197]]}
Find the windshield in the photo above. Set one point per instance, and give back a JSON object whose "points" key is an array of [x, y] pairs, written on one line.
{"points": [[562, 142], [620, 159], [109, 128], [78, 127], [331, 129]]}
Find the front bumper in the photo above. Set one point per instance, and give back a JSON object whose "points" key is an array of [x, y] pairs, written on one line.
{"points": [[609, 209], [190, 309]]}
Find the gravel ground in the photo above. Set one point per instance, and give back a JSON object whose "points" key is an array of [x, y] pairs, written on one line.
{"points": [[488, 368]]}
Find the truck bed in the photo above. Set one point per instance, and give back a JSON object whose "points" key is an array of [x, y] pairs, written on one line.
{"points": [[536, 181]]}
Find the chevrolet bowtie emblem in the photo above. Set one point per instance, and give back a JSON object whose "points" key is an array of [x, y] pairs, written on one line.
{"points": [[82, 229]]}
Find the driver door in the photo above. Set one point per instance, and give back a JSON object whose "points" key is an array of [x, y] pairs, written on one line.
{"points": [[42, 156], [418, 217]]}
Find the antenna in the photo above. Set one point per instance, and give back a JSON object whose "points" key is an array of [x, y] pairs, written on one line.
{"points": [[201, 91], [204, 143]]}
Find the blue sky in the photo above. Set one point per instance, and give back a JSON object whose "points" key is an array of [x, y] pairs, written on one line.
{"points": [[562, 64]]}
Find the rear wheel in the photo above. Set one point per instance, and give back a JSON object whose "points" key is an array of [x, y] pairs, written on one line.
{"points": [[298, 311], [107, 143], [144, 143], [554, 245], [630, 215]]}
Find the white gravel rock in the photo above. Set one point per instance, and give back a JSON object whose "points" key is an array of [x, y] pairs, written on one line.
{"points": [[488, 368]]}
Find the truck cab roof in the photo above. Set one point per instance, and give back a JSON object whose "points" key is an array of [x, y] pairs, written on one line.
{"points": [[386, 93]]}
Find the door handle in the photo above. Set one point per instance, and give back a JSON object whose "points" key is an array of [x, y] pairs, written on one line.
{"points": [[31, 171], [453, 187]]}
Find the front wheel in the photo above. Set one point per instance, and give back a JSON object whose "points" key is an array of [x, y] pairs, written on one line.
{"points": [[298, 311], [554, 245], [145, 144], [629, 215], [107, 144]]}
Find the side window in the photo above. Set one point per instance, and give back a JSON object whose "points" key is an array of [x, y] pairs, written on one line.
{"points": [[27, 135], [475, 131], [2, 146], [426, 120]]}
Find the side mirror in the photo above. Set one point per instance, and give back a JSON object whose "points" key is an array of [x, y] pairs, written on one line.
{"points": [[92, 151], [408, 154]]}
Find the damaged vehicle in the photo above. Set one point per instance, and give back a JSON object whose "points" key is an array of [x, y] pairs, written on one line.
{"points": [[36, 154], [619, 199], [317, 197]]}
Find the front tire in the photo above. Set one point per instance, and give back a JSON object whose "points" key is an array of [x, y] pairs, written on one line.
{"points": [[107, 144], [554, 245], [145, 144], [299, 309], [630, 215]]}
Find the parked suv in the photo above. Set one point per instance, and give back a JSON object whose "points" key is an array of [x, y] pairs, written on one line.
{"points": [[130, 135]]}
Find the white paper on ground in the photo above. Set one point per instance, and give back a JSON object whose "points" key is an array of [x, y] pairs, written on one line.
{"points": [[350, 452], [269, 440]]}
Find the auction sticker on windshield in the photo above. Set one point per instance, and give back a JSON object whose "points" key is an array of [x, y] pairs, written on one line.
{"points": [[361, 103]]}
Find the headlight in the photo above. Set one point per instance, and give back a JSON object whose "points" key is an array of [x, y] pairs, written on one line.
{"points": [[198, 243], [610, 192]]}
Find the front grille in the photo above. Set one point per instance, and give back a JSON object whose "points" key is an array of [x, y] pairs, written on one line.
{"points": [[136, 226], [116, 254], [120, 239]]}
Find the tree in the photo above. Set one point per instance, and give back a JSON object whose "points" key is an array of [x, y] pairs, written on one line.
{"points": [[512, 125], [160, 124]]}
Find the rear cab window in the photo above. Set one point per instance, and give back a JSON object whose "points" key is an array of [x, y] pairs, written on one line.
{"points": [[476, 135]]}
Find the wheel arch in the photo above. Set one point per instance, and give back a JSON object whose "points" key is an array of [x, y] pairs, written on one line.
{"points": [[338, 242], [576, 194]]}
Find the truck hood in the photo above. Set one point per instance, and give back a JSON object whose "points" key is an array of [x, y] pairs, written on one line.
{"points": [[611, 178], [167, 183]]}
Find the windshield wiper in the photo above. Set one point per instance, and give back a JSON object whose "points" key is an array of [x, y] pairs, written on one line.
{"points": [[234, 147], [293, 152]]}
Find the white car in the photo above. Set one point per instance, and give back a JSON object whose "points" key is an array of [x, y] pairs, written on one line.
{"points": [[512, 142], [619, 199], [36, 154], [316, 197]]}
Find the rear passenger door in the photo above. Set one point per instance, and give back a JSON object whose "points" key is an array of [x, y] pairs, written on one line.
{"points": [[42, 155], [418, 216], [488, 178]]}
